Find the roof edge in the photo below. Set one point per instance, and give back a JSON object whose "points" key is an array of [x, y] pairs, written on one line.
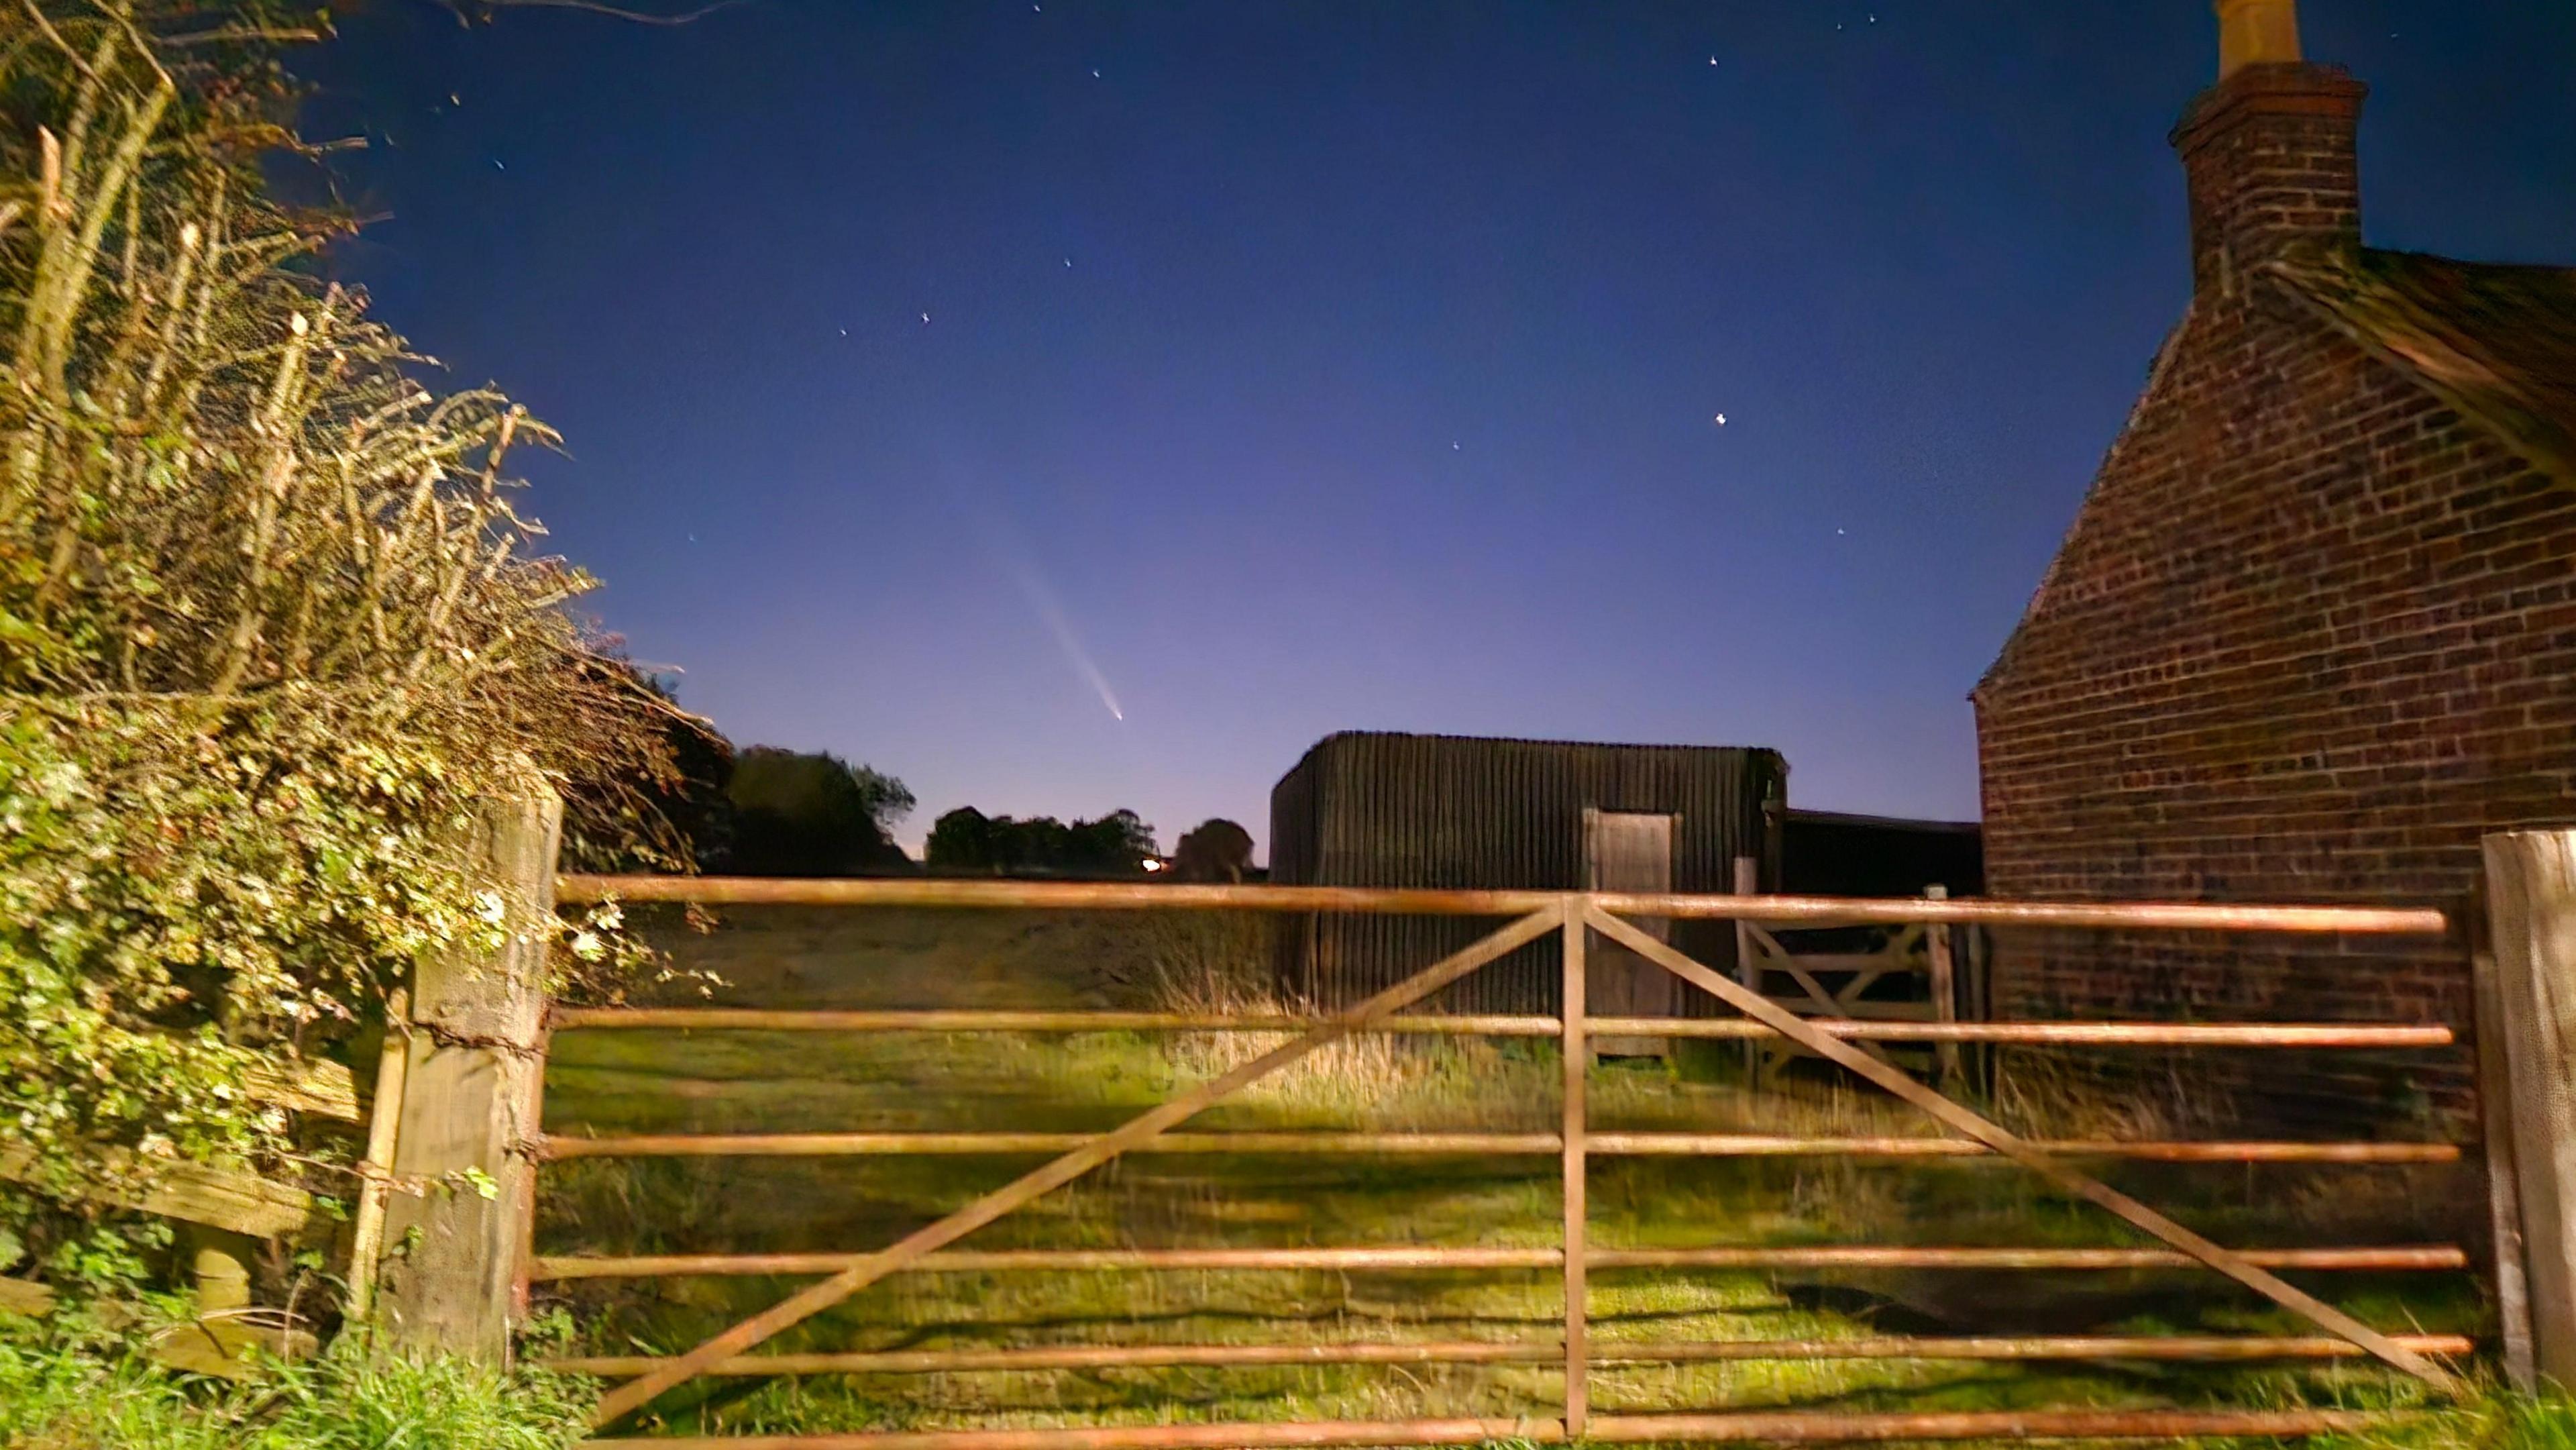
{"points": [[2432, 364], [1904, 823], [1445, 736]]}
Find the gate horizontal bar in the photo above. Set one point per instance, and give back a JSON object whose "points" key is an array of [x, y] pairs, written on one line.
{"points": [[577, 889], [2151, 1034], [1699, 1145], [1818, 1256], [2403, 1257], [826, 1145], [2107, 1034], [1780, 1426], [1755, 1145], [1808, 1428], [983, 1261], [2180, 1348], [1272, 1435], [736, 1019]]}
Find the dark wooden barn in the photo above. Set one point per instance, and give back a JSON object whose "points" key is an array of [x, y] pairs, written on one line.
{"points": [[1376, 809]]}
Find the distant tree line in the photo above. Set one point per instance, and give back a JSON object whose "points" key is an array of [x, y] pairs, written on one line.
{"points": [[967, 840], [767, 811]]}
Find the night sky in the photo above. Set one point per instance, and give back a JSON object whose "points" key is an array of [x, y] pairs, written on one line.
{"points": [[937, 375]]}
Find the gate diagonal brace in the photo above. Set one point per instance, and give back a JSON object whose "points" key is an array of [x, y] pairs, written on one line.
{"points": [[1779, 958], [1959, 1119], [790, 1312]]}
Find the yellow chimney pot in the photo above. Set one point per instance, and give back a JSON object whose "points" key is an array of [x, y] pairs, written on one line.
{"points": [[2256, 32]]}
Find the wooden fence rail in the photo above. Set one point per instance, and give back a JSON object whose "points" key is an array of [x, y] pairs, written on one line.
{"points": [[922, 891], [222, 1211], [2402, 1257]]}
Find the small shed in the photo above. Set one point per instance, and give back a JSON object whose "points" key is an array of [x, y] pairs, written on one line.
{"points": [[1367, 808]]}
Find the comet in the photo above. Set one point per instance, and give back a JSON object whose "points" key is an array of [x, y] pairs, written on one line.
{"points": [[1051, 613], [1015, 558]]}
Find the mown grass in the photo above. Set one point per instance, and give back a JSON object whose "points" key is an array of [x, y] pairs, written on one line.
{"points": [[614, 1082]]}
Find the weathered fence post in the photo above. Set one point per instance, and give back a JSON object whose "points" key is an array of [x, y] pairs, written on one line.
{"points": [[2495, 1132], [2531, 915], [473, 1060]]}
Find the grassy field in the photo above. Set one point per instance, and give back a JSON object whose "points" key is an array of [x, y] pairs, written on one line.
{"points": [[616, 1082]]}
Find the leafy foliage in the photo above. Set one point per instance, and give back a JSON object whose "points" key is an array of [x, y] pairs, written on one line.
{"points": [[271, 620], [676, 819], [180, 902], [966, 839]]}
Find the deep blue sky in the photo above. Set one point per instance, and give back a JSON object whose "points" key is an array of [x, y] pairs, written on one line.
{"points": [[1351, 365]]}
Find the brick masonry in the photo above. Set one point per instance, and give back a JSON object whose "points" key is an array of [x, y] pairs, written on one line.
{"points": [[2311, 636]]}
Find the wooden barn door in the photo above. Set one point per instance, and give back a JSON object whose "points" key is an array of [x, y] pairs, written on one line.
{"points": [[1630, 851]]}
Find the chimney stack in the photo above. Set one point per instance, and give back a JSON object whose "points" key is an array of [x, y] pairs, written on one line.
{"points": [[2256, 32], [2268, 151]]}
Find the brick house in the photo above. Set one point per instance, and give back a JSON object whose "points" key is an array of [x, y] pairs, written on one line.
{"points": [[2313, 630]]}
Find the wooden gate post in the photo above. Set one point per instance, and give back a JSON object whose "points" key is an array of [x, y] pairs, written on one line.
{"points": [[474, 1060], [2531, 915]]}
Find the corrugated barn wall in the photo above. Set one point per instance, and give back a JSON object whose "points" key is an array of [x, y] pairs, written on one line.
{"points": [[1373, 809]]}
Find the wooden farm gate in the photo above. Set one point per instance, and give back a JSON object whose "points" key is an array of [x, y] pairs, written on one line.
{"points": [[1579, 919], [1938, 971]]}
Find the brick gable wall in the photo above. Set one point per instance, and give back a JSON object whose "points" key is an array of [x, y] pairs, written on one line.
{"points": [[2311, 636]]}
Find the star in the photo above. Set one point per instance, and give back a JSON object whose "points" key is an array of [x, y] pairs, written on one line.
{"points": [[1721, 420], [1838, 533], [845, 332], [1712, 60], [1453, 447], [925, 317], [1095, 75]]}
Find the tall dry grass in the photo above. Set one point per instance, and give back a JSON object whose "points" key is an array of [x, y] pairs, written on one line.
{"points": [[1223, 963]]}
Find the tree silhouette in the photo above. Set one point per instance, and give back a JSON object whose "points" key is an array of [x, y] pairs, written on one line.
{"points": [[961, 840], [1219, 850], [813, 815]]}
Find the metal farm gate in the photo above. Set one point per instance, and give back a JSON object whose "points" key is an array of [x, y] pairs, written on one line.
{"points": [[1580, 925]]}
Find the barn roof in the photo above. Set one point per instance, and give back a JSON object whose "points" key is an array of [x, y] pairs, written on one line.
{"points": [[1449, 739], [2497, 343]]}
